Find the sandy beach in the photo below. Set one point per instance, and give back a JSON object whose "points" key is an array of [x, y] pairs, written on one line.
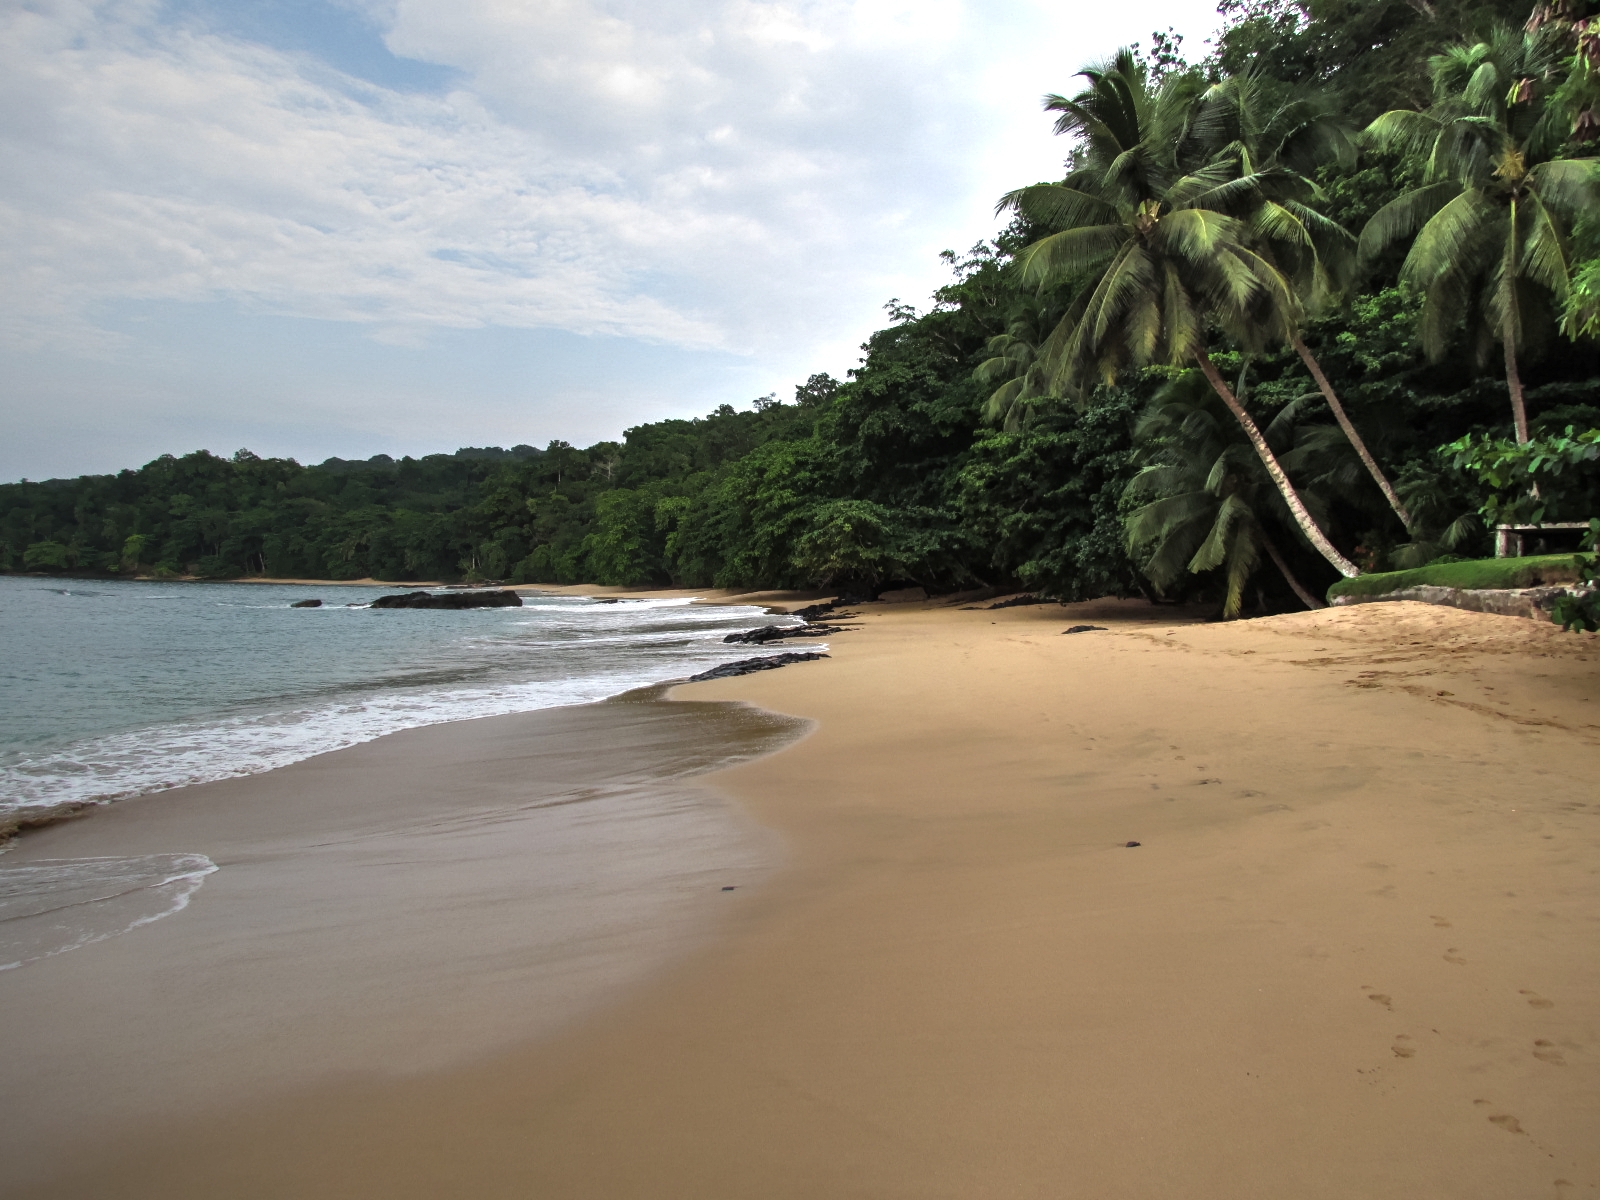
{"points": [[1351, 954]]}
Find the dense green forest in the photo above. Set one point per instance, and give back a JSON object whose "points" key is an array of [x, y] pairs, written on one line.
{"points": [[1323, 302]]}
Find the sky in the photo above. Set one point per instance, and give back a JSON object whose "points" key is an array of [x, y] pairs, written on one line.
{"points": [[349, 227]]}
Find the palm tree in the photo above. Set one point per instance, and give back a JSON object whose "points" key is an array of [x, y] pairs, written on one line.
{"points": [[1014, 363], [1202, 496], [1491, 215], [1150, 253], [1276, 135]]}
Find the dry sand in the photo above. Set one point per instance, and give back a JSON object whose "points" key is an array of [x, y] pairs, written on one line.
{"points": [[1353, 954]]}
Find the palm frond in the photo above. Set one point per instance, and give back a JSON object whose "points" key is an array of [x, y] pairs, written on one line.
{"points": [[1569, 186], [1059, 257], [1456, 235], [1213, 552], [1281, 428], [1544, 250], [1058, 205], [1403, 131], [1159, 479], [1445, 303], [1184, 330], [1244, 552], [1403, 216], [1129, 277]]}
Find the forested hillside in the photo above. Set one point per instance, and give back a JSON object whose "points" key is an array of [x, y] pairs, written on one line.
{"points": [[1118, 394]]}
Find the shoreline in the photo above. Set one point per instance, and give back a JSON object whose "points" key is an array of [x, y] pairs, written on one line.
{"points": [[18, 819], [382, 911], [1350, 954]]}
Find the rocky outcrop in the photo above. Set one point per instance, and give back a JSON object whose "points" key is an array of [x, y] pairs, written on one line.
{"points": [[1021, 601], [306, 604], [748, 666], [1533, 602], [812, 611], [500, 599], [776, 633]]}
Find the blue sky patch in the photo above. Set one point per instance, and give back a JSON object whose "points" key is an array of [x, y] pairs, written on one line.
{"points": [[339, 36]]}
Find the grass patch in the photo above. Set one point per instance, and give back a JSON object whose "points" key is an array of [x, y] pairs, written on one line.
{"points": [[1539, 571]]}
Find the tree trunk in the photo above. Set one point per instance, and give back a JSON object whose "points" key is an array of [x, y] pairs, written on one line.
{"points": [[1511, 327], [1271, 548], [1332, 398], [1269, 460], [1519, 414]]}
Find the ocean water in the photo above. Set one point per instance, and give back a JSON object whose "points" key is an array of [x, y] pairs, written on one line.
{"points": [[116, 689]]}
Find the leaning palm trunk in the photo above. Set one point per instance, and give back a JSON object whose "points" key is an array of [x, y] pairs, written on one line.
{"points": [[1306, 598], [1510, 327], [1297, 507], [1332, 398], [1519, 414]]}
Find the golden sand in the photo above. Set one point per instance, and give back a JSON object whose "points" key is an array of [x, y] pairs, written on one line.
{"points": [[1352, 955]]}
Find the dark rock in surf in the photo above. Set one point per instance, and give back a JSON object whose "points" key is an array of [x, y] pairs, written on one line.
{"points": [[767, 633], [306, 604], [749, 666], [776, 633], [453, 600]]}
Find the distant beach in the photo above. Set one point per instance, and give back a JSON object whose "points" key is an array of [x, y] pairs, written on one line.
{"points": [[1324, 932]]}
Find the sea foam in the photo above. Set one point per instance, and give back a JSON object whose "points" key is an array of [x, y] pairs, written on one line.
{"points": [[312, 681], [52, 905]]}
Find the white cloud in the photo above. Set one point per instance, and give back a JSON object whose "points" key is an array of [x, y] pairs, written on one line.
{"points": [[750, 176], [702, 174]]}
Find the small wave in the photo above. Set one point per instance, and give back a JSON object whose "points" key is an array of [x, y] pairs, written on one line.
{"points": [[138, 762], [49, 906], [263, 712]]}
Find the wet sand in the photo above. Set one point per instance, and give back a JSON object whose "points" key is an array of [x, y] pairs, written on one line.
{"points": [[397, 907], [1352, 954]]}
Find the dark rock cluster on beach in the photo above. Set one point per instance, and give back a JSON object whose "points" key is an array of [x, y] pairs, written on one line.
{"points": [[1019, 601], [749, 666], [776, 633], [500, 599], [812, 611]]}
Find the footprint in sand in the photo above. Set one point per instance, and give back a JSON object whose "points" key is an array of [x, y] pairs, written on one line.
{"points": [[1535, 1000], [1507, 1122], [1402, 1048], [1453, 956], [1440, 922], [1546, 1052], [1380, 998]]}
